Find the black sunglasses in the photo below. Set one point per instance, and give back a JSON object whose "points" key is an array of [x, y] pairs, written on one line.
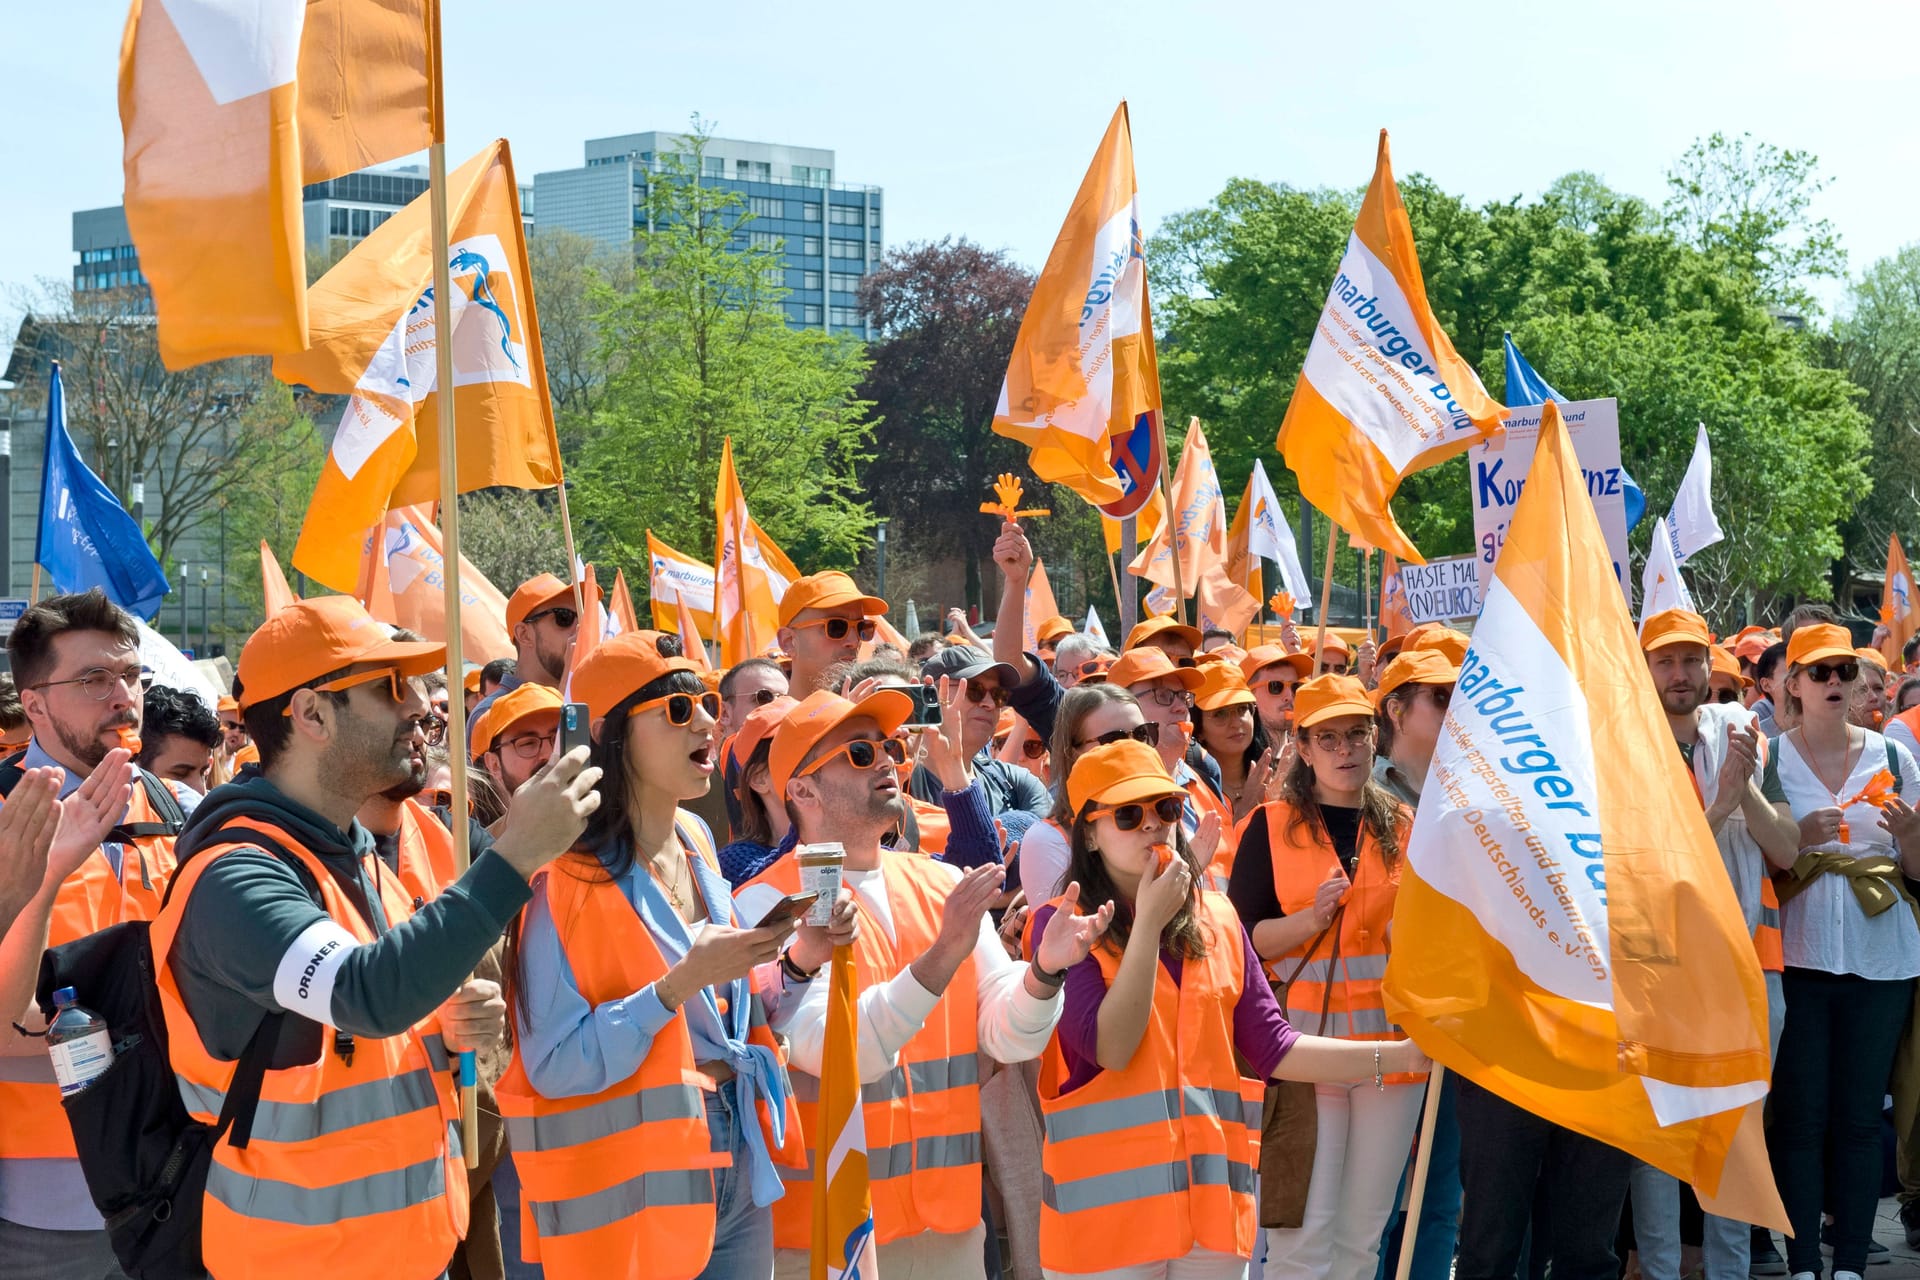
{"points": [[563, 617], [1033, 748], [1277, 687], [977, 692], [1128, 817], [1441, 694], [680, 706], [837, 628], [861, 753], [1824, 671], [1148, 733]]}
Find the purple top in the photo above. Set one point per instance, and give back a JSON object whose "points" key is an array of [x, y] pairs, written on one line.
{"points": [[1260, 1031]]}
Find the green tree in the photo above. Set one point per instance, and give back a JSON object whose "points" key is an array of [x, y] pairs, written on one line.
{"points": [[511, 535], [270, 502], [1877, 344], [698, 351], [1748, 204], [567, 270]]}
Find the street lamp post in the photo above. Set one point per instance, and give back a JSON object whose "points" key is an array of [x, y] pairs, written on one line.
{"points": [[880, 557], [206, 639]]}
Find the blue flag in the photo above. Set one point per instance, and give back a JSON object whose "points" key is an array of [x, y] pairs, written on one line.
{"points": [[1524, 386], [87, 539]]}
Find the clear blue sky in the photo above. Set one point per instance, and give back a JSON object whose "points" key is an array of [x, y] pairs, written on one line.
{"points": [[979, 119]]}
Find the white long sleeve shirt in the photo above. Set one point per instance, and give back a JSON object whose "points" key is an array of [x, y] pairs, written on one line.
{"points": [[1013, 1025]]}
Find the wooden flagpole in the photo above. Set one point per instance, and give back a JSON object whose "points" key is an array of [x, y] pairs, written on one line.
{"points": [[1326, 596], [1114, 573], [449, 516], [1422, 1159]]}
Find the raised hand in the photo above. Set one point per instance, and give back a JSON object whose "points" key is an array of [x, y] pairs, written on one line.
{"points": [[93, 809], [1069, 936]]}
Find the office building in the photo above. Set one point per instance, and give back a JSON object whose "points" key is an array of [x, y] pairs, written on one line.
{"points": [[829, 233]]}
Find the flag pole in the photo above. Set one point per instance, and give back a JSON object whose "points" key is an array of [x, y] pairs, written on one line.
{"points": [[449, 517], [1128, 604], [1326, 596], [1417, 1186], [1366, 590], [1172, 517], [1113, 572]]}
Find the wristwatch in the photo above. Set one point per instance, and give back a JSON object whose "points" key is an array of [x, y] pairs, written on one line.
{"points": [[1045, 978]]}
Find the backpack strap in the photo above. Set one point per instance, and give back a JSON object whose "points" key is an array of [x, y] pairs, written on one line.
{"points": [[163, 802], [1893, 762], [249, 1075]]}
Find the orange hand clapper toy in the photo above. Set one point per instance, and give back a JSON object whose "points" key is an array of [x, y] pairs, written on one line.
{"points": [[1878, 792], [1007, 488]]}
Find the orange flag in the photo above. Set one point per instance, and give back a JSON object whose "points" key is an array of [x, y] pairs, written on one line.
{"points": [[1083, 369], [690, 640], [1243, 567], [1565, 934], [596, 626], [402, 582], [274, 590], [1040, 606], [1197, 534], [226, 111], [746, 605], [1394, 615], [1898, 608], [374, 339], [625, 618], [1382, 394]]}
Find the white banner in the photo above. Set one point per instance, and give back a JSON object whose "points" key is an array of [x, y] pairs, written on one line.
{"points": [[1442, 590], [1497, 472]]}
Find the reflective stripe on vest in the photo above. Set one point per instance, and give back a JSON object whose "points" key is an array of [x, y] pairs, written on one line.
{"points": [[954, 1151], [926, 1077], [1361, 968], [266, 1200], [604, 1119], [1106, 1189], [659, 1189], [334, 1112]]}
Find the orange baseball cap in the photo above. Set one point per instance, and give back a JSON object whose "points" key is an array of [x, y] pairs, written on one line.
{"points": [[1163, 625], [1263, 656], [1874, 656], [1725, 664], [508, 710], [617, 667], [1674, 626], [1432, 635], [1751, 642], [1324, 697], [1052, 629], [1334, 644], [472, 682], [757, 728], [228, 703], [545, 591], [1390, 646], [312, 638], [1222, 686], [820, 714], [1417, 666], [1149, 663], [827, 590], [1121, 772], [1816, 643]]}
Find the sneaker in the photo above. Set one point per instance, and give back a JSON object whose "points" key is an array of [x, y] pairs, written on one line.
{"points": [[1910, 1223], [1766, 1258]]}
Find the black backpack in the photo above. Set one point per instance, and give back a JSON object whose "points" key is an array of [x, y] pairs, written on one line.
{"points": [[144, 1156]]}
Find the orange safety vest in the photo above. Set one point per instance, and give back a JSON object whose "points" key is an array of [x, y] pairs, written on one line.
{"points": [[426, 853], [32, 1124], [619, 1183], [1147, 1163], [352, 1166], [934, 826], [1220, 870], [923, 1116], [1347, 987]]}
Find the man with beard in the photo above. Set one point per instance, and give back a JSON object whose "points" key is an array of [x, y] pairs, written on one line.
{"points": [[77, 661], [1272, 671], [935, 987], [516, 735], [1724, 753], [281, 909], [824, 619], [543, 621]]}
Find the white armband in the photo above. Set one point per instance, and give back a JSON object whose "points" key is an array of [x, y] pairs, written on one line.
{"points": [[304, 981]]}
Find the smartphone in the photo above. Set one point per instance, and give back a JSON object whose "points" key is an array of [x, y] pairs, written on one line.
{"points": [[791, 907], [926, 704], [573, 727]]}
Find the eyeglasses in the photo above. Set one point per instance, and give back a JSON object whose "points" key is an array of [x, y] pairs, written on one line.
{"points": [[837, 628], [1334, 669], [528, 745], [1277, 687], [1351, 740], [1166, 697], [1148, 733], [861, 753], [435, 727], [99, 683], [1128, 817], [1825, 671], [761, 697], [1726, 695], [232, 726], [1033, 749], [978, 693], [396, 684], [1441, 694], [1186, 662], [442, 799], [680, 706], [564, 616]]}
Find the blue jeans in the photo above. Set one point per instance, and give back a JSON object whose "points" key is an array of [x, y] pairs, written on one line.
{"points": [[742, 1231], [506, 1194], [1439, 1228]]}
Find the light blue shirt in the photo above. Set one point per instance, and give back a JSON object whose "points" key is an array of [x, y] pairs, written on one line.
{"points": [[571, 1048]]}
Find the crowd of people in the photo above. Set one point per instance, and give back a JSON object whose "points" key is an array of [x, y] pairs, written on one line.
{"points": [[1118, 919]]}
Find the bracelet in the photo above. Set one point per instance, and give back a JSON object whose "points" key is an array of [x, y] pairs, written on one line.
{"points": [[794, 971], [1379, 1082], [1046, 979]]}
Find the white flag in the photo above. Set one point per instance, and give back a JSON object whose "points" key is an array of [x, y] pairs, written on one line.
{"points": [[1692, 519], [1269, 536], [1094, 629], [1661, 586]]}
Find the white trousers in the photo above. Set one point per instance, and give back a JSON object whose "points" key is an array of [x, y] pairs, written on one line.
{"points": [[931, 1255], [1366, 1135], [1201, 1264]]}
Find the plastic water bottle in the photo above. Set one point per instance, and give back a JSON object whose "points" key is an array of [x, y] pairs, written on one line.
{"points": [[78, 1040]]}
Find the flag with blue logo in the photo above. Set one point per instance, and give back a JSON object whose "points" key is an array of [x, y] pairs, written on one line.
{"points": [[87, 539], [843, 1243], [1524, 386]]}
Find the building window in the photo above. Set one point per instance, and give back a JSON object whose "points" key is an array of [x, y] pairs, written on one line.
{"points": [[844, 283], [337, 222], [808, 176], [849, 317], [713, 166], [362, 221], [846, 215], [767, 207], [846, 249], [764, 239], [752, 171], [810, 211], [809, 279], [873, 253], [873, 217], [810, 247], [810, 314]]}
